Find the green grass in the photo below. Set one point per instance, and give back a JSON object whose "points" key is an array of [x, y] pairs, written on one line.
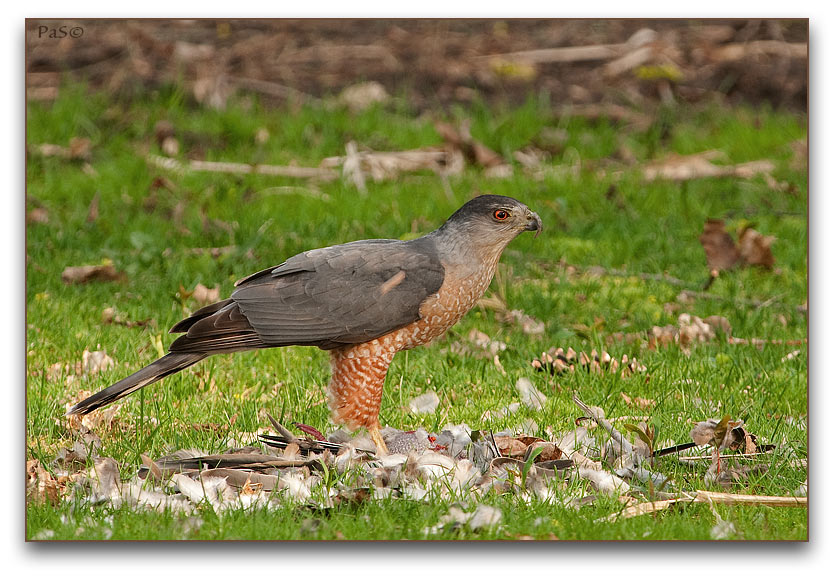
{"points": [[643, 228]]}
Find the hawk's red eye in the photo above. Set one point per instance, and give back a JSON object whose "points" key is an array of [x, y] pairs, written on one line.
{"points": [[500, 214]]}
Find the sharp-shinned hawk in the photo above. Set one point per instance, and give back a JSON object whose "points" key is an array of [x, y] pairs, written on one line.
{"points": [[362, 301]]}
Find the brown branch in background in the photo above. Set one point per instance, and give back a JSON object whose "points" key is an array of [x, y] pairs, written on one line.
{"points": [[709, 497], [703, 496], [610, 111], [244, 168], [762, 341], [273, 89], [740, 50], [577, 53]]}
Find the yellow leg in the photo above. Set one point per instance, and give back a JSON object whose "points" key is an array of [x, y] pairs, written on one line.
{"points": [[381, 448]]}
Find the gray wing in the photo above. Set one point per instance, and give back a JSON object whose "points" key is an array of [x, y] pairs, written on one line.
{"points": [[328, 297]]}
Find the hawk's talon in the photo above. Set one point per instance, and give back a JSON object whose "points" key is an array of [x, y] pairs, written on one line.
{"points": [[381, 448]]}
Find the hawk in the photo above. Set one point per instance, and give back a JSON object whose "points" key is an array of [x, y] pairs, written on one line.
{"points": [[362, 301]]}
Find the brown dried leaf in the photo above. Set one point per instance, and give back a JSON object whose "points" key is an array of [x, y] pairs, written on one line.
{"points": [[511, 446], [639, 402], [110, 316], [479, 345], [722, 434], [203, 295], [721, 250], [549, 451], [94, 362], [80, 148], [38, 215], [362, 96], [754, 248], [82, 274], [529, 325], [424, 404], [41, 486]]}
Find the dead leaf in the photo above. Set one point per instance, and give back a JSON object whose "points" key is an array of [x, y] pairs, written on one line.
{"points": [[94, 362], [478, 344], [532, 398], [791, 355], [38, 215], [362, 96], [689, 331], [724, 434], [203, 295], [80, 148], [639, 402], [755, 248], [511, 446], [529, 325], [721, 250], [41, 486], [105, 272], [483, 516], [110, 316], [424, 404], [549, 451], [496, 414], [92, 211]]}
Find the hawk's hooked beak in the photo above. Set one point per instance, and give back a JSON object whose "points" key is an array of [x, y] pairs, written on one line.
{"points": [[534, 223]]}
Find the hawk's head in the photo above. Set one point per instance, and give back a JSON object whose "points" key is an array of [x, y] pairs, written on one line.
{"points": [[494, 219]]}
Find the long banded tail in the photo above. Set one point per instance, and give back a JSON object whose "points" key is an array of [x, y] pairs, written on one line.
{"points": [[167, 365]]}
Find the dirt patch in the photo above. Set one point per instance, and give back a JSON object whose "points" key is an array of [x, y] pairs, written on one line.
{"points": [[430, 62]]}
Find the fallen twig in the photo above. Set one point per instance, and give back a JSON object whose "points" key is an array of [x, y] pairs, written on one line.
{"points": [[740, 50], [608, 111], [624, 443], [273, 89], [230, 167], [710, 497], [641, 509], [762, 341], [693, 458], [578, 53], [703, 496]]}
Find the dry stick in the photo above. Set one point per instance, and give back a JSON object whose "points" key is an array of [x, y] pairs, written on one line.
{"points": [[273, 89], [562, 54], [762, 341], [229, 167], [685, 458], [607, 111], [578, 53], [741, 50], [701, 496], [641, 509], [624, 443]]}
